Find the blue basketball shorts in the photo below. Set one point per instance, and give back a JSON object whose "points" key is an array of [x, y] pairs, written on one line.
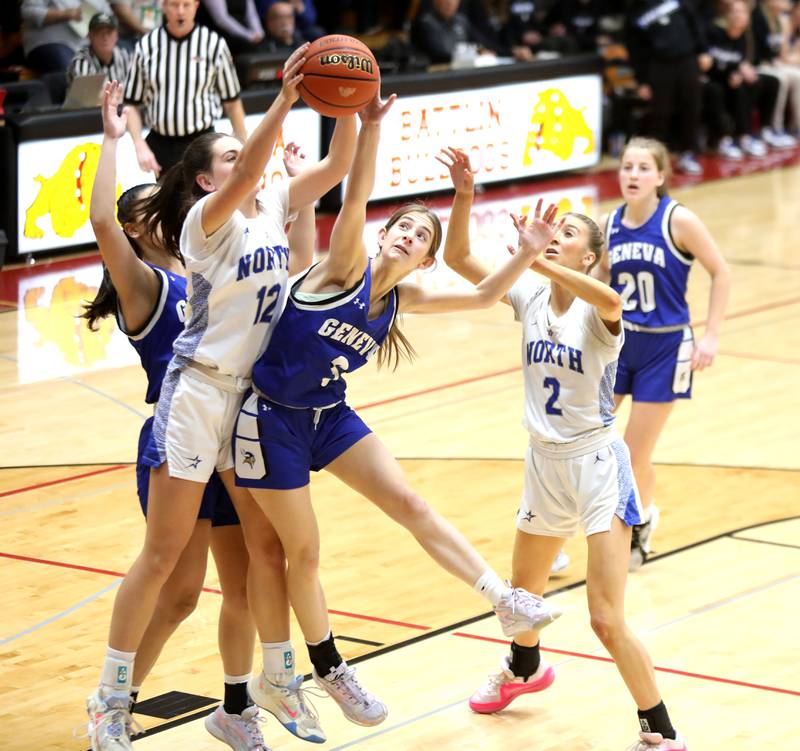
{"points": [[656, 367], [276, 447], [216, 504]]}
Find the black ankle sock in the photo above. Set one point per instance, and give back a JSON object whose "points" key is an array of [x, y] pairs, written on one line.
{"points": [[524, 660], [236, 698], [134, 699], [656, 720], [324, 656]]}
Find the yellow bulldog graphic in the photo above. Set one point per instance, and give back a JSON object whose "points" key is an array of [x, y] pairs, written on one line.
{"points": [[67, 194], [556, 126]]}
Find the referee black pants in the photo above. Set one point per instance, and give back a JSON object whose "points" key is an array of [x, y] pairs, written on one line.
{"points": [[168, 150]]}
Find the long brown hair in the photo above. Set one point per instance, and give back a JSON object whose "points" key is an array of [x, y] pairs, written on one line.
{"points": [[396, 345], [178, 190], [660, 156], [596, 242]]}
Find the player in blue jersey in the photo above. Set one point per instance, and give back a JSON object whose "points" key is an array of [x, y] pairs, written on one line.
{"points": [[340, 314], [652, 242], [577, 468], [148, 295]]}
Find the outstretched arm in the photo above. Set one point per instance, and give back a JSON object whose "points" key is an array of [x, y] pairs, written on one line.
{"points": [[303, 230], [457, 253], [135, 283], [534, 237], [690, 233], [255, 153], [347, 256]]}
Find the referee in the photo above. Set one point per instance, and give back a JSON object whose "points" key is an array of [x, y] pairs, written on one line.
{"points": [[183, 77]]}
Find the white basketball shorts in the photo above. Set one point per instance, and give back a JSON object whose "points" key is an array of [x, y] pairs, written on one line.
{"points": [[587, 491], [194, 422]]}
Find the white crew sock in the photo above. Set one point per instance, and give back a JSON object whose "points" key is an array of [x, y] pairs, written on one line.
{"points": [[490, 586], [278, 661], [117, 674]]}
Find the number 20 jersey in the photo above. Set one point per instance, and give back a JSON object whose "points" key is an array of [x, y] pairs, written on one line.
{"points": [[569, 365], [648, 270]]}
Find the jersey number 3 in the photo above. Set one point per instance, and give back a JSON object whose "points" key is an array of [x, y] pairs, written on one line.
{"points": [[267, 300], [550, 407]]}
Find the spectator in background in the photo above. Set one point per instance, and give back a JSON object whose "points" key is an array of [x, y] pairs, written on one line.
{"points": [[771, 37], [733, 88], [576, 22], [437, 31], [52, 32], [238, 22], [136, 18], [10, 38], [282, 34], [667, 49], [305, 17], [178, 109], [102, 54]]}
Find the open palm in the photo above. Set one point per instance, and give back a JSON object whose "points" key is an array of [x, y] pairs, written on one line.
{"points": [[115, 118]]}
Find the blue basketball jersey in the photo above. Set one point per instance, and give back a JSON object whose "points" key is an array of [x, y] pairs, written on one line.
{"points": [[315, 343], [153, 341], [648, 270]]}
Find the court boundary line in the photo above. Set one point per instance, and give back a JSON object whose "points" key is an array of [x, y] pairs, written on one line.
{"points": [[766, 542], [474, 619], [62, 480]]}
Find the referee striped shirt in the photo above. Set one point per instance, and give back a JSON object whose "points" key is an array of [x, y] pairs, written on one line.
{"points": [[86, 63], [181, 83]]}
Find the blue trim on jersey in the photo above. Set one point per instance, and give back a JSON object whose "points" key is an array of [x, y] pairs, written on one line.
{"points": [[186, 344], [648, 270], [606, 393], [316, 343], [627, 507]]}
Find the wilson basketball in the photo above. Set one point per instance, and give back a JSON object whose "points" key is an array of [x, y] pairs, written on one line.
{"points": [[340, 76]]}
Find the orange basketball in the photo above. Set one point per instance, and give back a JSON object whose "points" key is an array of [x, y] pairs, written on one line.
{"points": [[340, 76]]}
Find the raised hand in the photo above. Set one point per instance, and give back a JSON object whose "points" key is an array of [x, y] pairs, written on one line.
{"points": [[535, 235], [461, 173], [115, 117], [291, 73], [293, 159], [376, 109]]}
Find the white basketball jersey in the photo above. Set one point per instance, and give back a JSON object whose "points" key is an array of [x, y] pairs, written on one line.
{"points": [[236, 284], [570, 364]]}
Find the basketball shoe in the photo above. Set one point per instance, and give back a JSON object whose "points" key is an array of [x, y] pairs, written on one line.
{"points": [[110, 722], [288, 705], [520, 611], [641, 538], [240, 732], [503, 687], [657, 742], [560, 563], [359, 706]]}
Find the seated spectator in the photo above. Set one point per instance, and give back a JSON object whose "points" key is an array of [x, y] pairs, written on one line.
{"points": [[733, 87], [102, 54], [576, 24], [522, 27], [305, 17], [10, 40], [437, 31], [49, 37], [238, 22], [136, 18], [282, 34], [771, 36]]}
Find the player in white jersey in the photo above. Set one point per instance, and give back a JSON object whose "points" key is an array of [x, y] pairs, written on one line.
{"points": [[577, 468], [237, 266]]}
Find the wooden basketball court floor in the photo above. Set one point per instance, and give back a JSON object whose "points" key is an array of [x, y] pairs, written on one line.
{"points": [[717, 606]]}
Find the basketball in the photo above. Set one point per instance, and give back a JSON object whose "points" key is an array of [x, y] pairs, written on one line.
{"points": [[340, 76]]}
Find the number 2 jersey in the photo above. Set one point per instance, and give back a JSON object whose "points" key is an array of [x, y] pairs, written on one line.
{"points": [[648, 270], [569, 364], [316, 342], [236, 284]]}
